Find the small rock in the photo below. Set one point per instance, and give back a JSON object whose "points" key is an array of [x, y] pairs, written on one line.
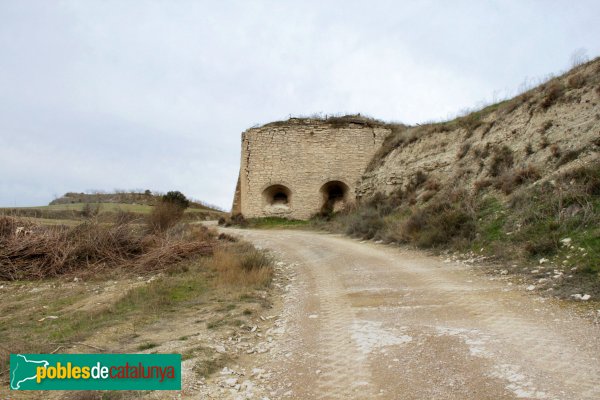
{"points": [[504, 272], [231, 382], [313, 316], [226, 371], [531, 287], [48, 317], [566, 241], [220, 349], [543, 260]]}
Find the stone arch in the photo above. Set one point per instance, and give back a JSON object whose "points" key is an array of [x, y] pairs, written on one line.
{"points": [[334, 196], [277, 200]]}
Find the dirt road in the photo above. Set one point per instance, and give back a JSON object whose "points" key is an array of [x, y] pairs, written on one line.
{"points": [[361, 321]]}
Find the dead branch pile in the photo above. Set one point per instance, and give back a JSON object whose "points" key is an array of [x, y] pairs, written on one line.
{"points": [[90, 248]]}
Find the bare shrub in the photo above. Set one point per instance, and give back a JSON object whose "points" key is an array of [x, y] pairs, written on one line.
{"points": [[584, 180], [90, 211], [482, 152], [568, 156], [125, 217], [234, 220], [463, 150], [427, 195], [439, 224], [529, 149], [576, 81], [164, 215], [502, 160], [481, 184], [555, 150], [432, 185], [547, 125], [553, 91], [364, 224], [510, 180], [470, 122], [91, 248], [418, 179]]}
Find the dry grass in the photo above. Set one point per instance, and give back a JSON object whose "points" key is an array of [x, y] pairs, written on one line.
{"points": [[240, 264], [164, 215], [91, 248]]}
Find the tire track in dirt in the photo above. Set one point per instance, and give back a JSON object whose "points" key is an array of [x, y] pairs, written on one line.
{"points": [[375, 321]]}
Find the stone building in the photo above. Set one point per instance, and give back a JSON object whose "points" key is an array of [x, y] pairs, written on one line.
{"points": [[297, 168]]}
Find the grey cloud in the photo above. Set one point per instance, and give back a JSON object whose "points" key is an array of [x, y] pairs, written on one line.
{"points": [[155, 94]]}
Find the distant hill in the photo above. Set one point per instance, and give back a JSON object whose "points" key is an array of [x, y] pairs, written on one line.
{"points": [[143, 198]]}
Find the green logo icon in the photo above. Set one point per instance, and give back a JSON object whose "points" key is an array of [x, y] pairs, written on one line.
{"points": [[95, 371]]}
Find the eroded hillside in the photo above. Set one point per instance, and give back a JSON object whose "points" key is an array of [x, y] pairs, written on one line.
{"points": [[517, 182], [552, 128]]}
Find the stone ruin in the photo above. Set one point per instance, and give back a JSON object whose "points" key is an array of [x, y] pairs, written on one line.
{"points": [[300, 167]]}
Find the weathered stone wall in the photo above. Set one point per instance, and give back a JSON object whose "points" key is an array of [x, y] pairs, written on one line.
{"points": [[285, 165]]}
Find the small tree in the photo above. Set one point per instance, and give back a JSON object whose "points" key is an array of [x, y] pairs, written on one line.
{"points": [[176, 198]]}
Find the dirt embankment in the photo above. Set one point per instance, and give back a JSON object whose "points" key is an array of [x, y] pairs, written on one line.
{"points": [[551, 127]]}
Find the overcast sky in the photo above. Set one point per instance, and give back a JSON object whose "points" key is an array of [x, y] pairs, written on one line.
{"points": [[155, 94]]}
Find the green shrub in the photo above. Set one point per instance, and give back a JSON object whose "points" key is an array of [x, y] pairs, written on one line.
{"points": [[176, 198]]}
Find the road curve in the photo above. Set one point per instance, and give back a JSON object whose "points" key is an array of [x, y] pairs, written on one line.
{"points": [[369, 321]]}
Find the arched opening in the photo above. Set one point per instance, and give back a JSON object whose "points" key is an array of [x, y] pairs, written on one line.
{"points": [[277, 199], [280, 198], [334, 196]]}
